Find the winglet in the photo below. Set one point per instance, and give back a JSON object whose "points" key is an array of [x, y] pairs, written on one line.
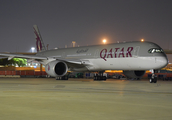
{"points": [[39, 42]]}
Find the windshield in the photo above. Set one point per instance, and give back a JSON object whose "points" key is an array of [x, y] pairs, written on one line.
{"points": [[155, 50]]}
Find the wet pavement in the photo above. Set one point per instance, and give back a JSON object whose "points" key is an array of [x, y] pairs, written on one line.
{"points": [[84, 99]]}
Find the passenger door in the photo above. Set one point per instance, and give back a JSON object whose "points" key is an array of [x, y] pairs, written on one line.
{"points": [[136, 51]]}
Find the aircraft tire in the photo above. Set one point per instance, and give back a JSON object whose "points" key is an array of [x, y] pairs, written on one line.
{"points": [[98, 78], [151, 80], [57, 78], [155, 80], [95, 78]]}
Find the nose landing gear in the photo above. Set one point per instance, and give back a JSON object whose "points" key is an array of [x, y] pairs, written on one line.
{"points": [[153, 78]]}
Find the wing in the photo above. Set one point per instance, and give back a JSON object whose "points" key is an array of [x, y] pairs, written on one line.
{"points": [[73, 64], [10, 56], [36, 57]]}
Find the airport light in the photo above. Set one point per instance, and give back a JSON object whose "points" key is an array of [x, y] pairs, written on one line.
{"points": [[104, 41], [142, 40], [33, 49], [73, 43]]}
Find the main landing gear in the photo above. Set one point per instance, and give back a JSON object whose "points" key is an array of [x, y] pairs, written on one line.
{"points": [[100, 76], [62, 78], [153, 78], [65, 77]]}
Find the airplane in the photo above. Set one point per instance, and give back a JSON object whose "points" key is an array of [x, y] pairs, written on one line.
{"points": [[134, 58]]}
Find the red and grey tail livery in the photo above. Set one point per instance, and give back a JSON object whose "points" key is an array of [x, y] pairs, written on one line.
{"points": [[39, 42]]}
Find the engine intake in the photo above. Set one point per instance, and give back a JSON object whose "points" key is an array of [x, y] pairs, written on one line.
{"points": [[56, 68]]}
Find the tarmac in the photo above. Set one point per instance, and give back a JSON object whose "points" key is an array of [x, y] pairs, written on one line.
{"points": [[84, 99]]}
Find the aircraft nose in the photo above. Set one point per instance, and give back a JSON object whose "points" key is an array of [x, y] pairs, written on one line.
{"points": [[162, 61]]}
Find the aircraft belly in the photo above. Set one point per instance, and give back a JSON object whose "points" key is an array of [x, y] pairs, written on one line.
{"points": [[110, 64]]}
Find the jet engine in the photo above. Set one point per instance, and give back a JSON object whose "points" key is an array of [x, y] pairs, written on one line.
{"points": [[134, 74], [56, 68]]}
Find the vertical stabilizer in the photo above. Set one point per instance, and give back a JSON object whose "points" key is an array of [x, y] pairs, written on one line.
{"points": [[39, 42]]}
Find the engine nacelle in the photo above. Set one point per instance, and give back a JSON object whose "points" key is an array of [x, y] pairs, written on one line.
{"points": [[134, 74], [56, 68]]}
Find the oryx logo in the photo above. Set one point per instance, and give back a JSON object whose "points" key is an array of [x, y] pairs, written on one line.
{"points": [[38, 41], [48, 67]]}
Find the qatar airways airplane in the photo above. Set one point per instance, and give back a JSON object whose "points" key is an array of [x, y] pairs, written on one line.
{"points": [[134, 58]]}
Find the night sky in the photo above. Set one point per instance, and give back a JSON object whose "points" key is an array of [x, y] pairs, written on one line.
{"points": [[87, 22]]}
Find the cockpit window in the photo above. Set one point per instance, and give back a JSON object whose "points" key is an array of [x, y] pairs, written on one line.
{"points": [[155, 50]]}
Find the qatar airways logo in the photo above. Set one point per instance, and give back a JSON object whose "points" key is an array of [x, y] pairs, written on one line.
{"points": [[82, 50], [38, 41], [116, 53], [48, 67]]}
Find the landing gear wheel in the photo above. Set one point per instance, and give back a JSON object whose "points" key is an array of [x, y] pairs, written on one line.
{"points": [[151, 80], [104, 78], [58, 78], [62, 78], [99, 78], [155, 80], [95, 77]]}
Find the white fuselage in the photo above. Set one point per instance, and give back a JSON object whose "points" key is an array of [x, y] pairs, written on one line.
{"points": [[117, 56]]}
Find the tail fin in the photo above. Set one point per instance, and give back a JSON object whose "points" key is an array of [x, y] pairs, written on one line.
{"points": [[39, 42]]}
